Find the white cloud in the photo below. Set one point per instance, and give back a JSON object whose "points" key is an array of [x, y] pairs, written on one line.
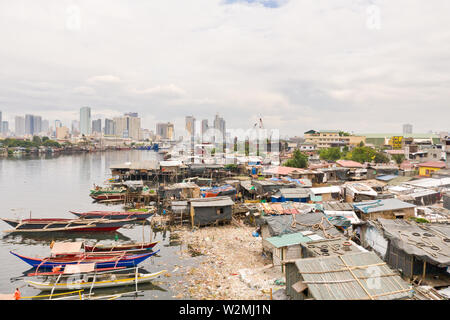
{"points": [[104, 79], [169, 91]]}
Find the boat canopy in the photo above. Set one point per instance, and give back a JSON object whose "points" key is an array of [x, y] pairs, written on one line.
{"points": [[66, 247], [79, 268]]}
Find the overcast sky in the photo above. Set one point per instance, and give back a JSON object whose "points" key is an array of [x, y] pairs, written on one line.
{"points": [[355, 65]]}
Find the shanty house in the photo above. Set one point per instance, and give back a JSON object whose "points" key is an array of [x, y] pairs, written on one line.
{"points": [[326, 193], [356, 276], [384, 208], [291, 194], [358, 192], [419, 251], [426, 169], [205, 211]]}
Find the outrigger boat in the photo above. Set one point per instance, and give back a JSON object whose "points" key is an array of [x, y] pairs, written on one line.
{"points": [[69, 253], [88, 277], [114, 215], [61, 225], [141, 246], [111, 260]]}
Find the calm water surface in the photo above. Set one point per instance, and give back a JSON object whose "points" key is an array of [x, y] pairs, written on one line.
{"points": [[50, 186]]}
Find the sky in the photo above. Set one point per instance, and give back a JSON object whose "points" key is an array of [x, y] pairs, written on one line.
{"points": [[355, 65]]}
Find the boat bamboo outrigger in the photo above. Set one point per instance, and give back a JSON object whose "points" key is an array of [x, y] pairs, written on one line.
{"points": [[65, 225], [87, 276]]}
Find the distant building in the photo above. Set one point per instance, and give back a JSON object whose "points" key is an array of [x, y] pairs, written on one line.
{"points": [[165, 130], [75, 127], [127, 127], [109, 127], [97, 126], [62, 132], [19, 126], [219, 124], [85, 121], [190, 125], [132, 114], [45, 126], [33, 124], [1, 122], [407, 128], [4, 128], [332, 138]]}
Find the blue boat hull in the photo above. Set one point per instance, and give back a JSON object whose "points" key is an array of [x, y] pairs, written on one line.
{"points": [[130, 261]]}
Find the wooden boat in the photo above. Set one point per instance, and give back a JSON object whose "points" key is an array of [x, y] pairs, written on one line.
{"points": [[108, 196], [90, 279], [113, 215], [60, 225], [120, 247], [120, 259]]}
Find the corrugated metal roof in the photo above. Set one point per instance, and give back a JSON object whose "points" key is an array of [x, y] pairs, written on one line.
{"points": [[381, 205], [286, 240], [330, 278], [212, 202], [322, 190]]}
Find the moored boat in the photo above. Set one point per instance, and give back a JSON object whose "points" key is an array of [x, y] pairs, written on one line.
{"points": [[87, 277], [113, 215], [61, 225], [120, 247], [102, 261]]}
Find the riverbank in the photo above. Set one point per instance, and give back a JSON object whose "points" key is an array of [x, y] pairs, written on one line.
{"points": [[231, 265]]}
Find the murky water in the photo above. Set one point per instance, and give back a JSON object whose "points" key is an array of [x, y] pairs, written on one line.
{"points": [[48, 187]]}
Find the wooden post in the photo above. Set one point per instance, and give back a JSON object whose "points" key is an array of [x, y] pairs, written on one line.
{"points": [[270, 293], [424, 270]]}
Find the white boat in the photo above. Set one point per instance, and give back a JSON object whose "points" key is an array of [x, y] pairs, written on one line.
{"points": [[92, 280]]}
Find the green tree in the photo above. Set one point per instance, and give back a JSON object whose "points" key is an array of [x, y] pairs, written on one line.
{"points": [[299, 160], [45, 139], [380, 157], [398, 158], [37, 141], [331, 154], [362, 154], [361, 144]]}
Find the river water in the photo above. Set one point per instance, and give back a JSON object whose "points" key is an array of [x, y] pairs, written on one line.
{"points": [[51, 186]]}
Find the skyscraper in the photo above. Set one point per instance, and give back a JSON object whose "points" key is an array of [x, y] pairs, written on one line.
{"points": [[85, 121], [4, 127], [45, 126], [165, 130], [19, 126], [75, 127], [127, 127], [29, 124], [37, 125], [407, 128], [97, 125], [219, 124], [190, 125], [109, 127]]}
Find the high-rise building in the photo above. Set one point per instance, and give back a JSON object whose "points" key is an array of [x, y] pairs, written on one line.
{"points": [[132, 114], [85, 121], [33, 124], [4, 128], [37, 125], [29, 121], [58, 124], [165, 130], [219, 124], [127, 127], [407, 128], [19, 126], [75, 127], [109, 127], [45, 126], [190, 125], [97, 125]]}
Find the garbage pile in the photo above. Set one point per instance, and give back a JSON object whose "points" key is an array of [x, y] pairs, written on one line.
{"points": [[231, 265]]}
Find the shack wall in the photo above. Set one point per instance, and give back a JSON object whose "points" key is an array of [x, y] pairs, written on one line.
{"points": [[209, 215]]}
